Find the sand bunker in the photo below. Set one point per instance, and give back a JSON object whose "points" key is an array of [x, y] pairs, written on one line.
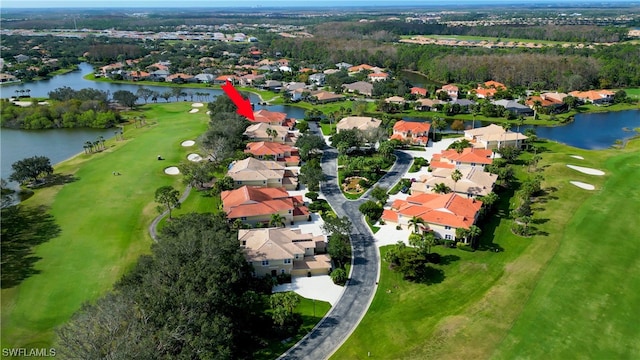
{"points": [[209, 112], [197, 105], [188, 143], [582, 185], [193, 111], [194, 157], [586, 170], [172, 170], [577, 157]]}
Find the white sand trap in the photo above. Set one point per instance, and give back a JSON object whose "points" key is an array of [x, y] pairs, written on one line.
{"points": [[188, 143], [193, 111], [197, 104], [586, 170], [172, 170], [577, 157], [209, 112], [582, 185], [194, 157]]}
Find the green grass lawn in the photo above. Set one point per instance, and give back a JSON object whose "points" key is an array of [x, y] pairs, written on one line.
{"points": [[567, 291], [104, 220], [633, 93]]}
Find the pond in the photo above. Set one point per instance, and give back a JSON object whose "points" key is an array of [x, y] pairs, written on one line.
{"points": [[588, 131]]}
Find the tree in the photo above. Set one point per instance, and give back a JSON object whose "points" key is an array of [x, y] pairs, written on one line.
{"points": [[441, 188], [380, 194], [509, 153], [30, 169], [168, 197], [371, 210], [457, 125], [196, 174], [417, 223], [309, 144], [283, 306], [347, 139], [125, 98], [386, 149], [166, 95], [337, 225], [277, 220], [311, 174], [224, 184], [570, 101], [473, 233], [339, 249], [339, 276], [176, 92], [438, 124], [144, 93], [456, 175]]}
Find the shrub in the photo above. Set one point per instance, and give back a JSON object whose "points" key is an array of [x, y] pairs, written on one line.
{"points": [[339, 276], [283, 278], [398, 227], [312, 195]]}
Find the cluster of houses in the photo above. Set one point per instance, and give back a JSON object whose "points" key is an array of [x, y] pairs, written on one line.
{"points": [[261, 194], [443, 213]]}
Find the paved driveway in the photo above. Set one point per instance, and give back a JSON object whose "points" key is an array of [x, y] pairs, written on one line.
{"points": [[343, 318]]}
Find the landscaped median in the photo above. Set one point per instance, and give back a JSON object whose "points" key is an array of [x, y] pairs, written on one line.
{"points": [[103, 220], [552, 295]]}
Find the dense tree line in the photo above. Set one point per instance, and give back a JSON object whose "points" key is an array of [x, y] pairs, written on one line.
{"points": [[224, 140], [193, 298], [68, 109]]}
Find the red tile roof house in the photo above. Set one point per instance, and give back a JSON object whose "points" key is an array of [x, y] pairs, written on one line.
{"points": [[264, 150], [596, 97], [451, 90], [442, 213], [378, 77], [262, 173], [418, 91], [273, 118], [415, 133], [450, 159], [276, 251], [488, 89], [254, 205]]}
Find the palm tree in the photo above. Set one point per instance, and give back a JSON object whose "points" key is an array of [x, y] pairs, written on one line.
{"points": [[439, 124], [506, 126], [277, 220], [417, 223], [28, 91], [456, 175], [473, 232], [537, 105], [89, 145], [441, 188], [101, 140], [271, 133], [429, 241]]}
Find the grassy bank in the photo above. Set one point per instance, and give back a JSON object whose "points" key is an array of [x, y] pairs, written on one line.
{"points": [[104, 220], [567, 290]]}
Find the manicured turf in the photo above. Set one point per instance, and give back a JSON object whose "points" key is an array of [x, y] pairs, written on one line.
{"points": [[491, 39], [567, 292], [633, 93], [104, 220]]}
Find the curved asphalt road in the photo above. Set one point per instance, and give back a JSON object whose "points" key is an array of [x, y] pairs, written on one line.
{"points": [[343, 318]]}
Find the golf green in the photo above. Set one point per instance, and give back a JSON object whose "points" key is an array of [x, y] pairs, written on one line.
{"points": [[103, 219]]}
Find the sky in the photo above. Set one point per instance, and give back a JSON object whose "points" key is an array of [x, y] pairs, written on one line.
{"points": [[254, 3]]}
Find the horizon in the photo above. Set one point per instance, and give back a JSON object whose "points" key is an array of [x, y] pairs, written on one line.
{"points": [[160, 4]]}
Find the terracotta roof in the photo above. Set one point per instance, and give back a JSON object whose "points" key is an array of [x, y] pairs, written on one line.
{"points": [[270, 117], [442, 209], [531, 101], [592, 94], [360, 68], [450, 87], [269, 148], [378, 75], [494, 84], [226, 77], [419, 91], [413, 126], [251, 201], [474, 181], [485, 93], [468, 156]]}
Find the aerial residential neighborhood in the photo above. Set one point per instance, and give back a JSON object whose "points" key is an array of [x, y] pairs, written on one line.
{"points": [[319, 181]]}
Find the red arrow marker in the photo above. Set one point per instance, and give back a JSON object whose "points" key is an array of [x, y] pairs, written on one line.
{"points": [[244, 105]]}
